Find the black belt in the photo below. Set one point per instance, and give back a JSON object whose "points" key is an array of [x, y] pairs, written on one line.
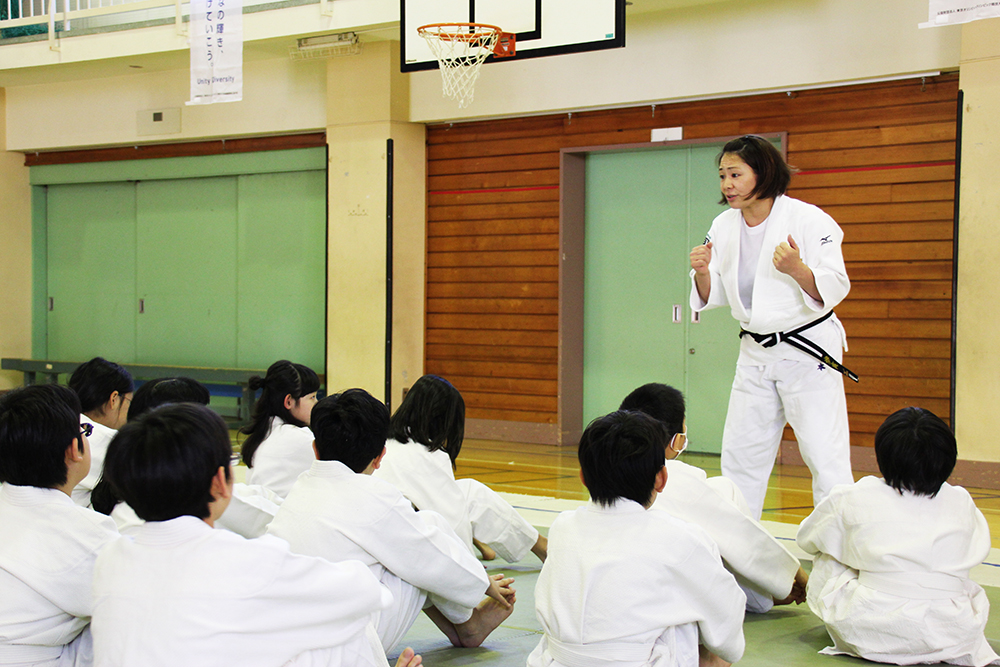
{"points": [[795, 339]]}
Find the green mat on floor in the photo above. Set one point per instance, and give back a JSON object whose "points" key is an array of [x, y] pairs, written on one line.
{"points": [[787, 636]]}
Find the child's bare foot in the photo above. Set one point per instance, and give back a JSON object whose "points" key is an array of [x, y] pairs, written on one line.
{"points": [[708, 659], [486, 552], [408, 658], [486, 618], [541, 548]]}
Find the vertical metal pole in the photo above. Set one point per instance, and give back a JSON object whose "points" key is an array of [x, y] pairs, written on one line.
{"points": [[388, 272]]}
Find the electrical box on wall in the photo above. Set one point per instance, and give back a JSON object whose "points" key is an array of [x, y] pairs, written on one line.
{"points": [[158, 121]]}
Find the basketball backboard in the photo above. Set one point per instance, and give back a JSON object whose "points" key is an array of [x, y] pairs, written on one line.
{"points": [[542, 27]]}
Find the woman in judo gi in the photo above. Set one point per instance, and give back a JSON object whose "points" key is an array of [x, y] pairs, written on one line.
{"points": [[425, 437], [278, 447], [776, 262]]}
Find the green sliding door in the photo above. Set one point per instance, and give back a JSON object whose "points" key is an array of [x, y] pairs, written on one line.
{"points": [[645, 210]]}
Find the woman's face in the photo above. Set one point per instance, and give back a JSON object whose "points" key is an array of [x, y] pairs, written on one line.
{"points": [[302, 408], [737, 181]]}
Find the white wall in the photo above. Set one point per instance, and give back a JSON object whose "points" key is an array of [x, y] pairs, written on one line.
{"points": [[279, 96], [705, 51]]}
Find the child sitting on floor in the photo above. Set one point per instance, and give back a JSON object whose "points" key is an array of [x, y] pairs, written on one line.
{"points": [[182, 593], [49, 543], [891, 574], [337, 510], [766, 571], [624, 582]]}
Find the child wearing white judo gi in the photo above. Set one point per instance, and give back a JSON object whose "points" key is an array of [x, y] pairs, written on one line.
{"points": [[337, 510], [49, 543], [776, 262], [891, 575], [425, 437], [181, 593], [105, 390], [767, 572], [278, 447], [625, 583], [251, 508]]}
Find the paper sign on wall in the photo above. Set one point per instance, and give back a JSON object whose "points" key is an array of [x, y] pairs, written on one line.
{"points": [[216, 51], [953, 12]]}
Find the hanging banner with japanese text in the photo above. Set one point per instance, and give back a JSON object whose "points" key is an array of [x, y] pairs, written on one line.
{"points": [[952, 12], [216, 51]]}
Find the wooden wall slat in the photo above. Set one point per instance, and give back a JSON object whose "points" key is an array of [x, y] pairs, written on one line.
{"points": [[878, 157]]}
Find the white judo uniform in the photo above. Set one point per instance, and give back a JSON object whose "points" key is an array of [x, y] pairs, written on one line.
{"points": [[285, 453], [891, 574], [339, 515], [628, 586], [249, 512], [472, 509], [47, 556], [763, 567], [183, 593], [782, 383], [99, 440]]}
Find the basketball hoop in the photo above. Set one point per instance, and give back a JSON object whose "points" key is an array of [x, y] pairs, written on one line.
{"points": [[461, 49]]}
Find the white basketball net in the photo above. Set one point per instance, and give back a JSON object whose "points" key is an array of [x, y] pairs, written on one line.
{"points": [[460, 51]]}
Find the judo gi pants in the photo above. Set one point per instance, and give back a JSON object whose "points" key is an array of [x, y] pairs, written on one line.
{"points": [[808, 396], [496, 523]]}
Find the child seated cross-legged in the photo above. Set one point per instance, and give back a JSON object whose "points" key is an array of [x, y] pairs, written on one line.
{"points": [[767, 572], [48, 544], [425, 438], [890, 577], [337, 510], [183, 593], [625, 583]]}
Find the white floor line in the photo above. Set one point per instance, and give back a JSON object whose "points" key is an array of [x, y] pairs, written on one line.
{"points": [[540, 511]]}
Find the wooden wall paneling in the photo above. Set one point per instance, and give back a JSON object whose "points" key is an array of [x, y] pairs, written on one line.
{"points": [[878, 157]]}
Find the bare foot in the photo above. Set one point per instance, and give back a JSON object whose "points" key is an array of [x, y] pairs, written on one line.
{"points": [[408, 658], [485, 619], [541, 548], [485, 550], [708, 659]]}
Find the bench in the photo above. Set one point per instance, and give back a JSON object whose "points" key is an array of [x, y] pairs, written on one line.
{"points": [[232, 382]]}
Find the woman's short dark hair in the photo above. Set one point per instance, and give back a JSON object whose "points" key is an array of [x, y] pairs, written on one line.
{"points": [[163, 463], [351, 428], [37, 424], [772, 172], [915, 451], [94, 381], [661, 402], [160, 391], [620, 455], [283, 378], [433, 414]]}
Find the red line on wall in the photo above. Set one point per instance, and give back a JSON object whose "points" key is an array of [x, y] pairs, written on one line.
{"points": [[469, 192], [879, 168]]}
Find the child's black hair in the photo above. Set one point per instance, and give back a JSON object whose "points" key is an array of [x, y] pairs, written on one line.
{"points": [[283, 378], [94, 381], [433, 414], [620, 455], [661, 402], [916, 451], [163, 463], [351, 428], [37, 424]]}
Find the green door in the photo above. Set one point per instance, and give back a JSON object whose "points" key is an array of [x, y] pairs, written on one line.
{"points": [[282, 269], [91, 271], [645, 210], [186, 272]]}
